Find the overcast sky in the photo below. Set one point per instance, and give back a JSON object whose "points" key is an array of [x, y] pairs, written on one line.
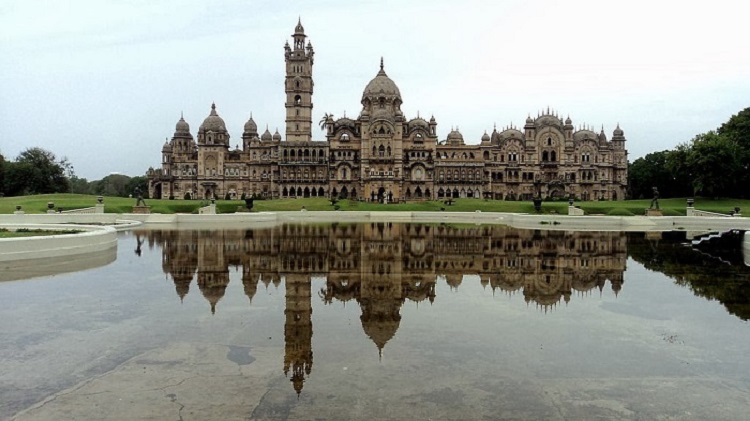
{"points": [[104, 82]]}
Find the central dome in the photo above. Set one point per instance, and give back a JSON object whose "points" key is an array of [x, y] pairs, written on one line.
{"points": [[213, 122], [381, 86]]}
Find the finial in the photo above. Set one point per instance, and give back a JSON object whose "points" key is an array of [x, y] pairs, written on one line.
{"points": [[417, 113], [181, 117], [381, 63], [213, 105], [299, 20]]}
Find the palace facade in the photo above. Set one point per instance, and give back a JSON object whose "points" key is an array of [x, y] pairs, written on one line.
{"points": [[384, 156]]}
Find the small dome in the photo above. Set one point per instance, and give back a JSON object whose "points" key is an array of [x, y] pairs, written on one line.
{"points": [[418, 122], [529, 120], [182, 127], [432, 120], [266, 136], [250, 126], [213, 122], [299, 29], [455, 137], [167, 147], [485, 137], [568, 121], [344, 122], [381, 85], [276, 136], [585, 135], [618, 131]]}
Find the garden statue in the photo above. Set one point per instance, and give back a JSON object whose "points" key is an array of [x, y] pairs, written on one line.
{"points": [[139, 197], [655, 201]]}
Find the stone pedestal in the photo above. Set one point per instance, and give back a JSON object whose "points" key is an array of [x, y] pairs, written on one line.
{"points": [[99, 208], [142, 209], [654, 212], [572, 210]]}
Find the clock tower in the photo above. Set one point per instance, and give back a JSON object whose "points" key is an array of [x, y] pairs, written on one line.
{"points": [[298, 86]]}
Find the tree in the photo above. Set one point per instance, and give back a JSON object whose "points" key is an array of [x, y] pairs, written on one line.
{"points": [[38, 171], [647, 172], [715, 164], [112, 185], [737, 129], [682, 178], [323, 120], [140, 181], [80, 185], [2, 175]]}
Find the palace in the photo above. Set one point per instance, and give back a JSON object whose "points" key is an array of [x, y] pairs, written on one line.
{"points": [[383, 156]]}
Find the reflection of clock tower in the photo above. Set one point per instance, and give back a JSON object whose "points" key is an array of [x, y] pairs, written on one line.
{"points": [[298, 329], [213, 273]]}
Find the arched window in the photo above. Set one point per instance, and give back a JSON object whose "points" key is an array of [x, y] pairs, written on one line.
{"points": [[297, 100], [345, 137], [545, 156], [553, 156]]}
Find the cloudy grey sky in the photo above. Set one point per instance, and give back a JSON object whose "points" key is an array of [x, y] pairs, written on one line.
{"points": [[104, 82]]}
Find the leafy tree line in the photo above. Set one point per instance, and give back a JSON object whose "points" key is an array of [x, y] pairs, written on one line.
{"points": [[712, 164], [39, 171]]}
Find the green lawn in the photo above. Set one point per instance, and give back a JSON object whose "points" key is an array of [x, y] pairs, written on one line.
{"points": [[38, 204]]}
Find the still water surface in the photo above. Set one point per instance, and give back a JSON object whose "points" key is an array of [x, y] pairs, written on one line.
{"points": [[389, 321]]}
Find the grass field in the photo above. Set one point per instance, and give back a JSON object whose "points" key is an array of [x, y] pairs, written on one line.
{"points": [[670, 207]]}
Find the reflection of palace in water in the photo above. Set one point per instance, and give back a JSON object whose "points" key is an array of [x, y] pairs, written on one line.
{"points": [[381, 265]]}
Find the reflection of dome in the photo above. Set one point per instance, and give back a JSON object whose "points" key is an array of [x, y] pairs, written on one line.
{"points": [[380, 327], [213, 122], [381, 85]]}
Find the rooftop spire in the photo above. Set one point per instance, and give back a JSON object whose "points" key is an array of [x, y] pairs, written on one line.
{"points": [[382, 71]]}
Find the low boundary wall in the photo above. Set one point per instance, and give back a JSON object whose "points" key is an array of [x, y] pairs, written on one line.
{"points": [[528, 221], [93, 239]]}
